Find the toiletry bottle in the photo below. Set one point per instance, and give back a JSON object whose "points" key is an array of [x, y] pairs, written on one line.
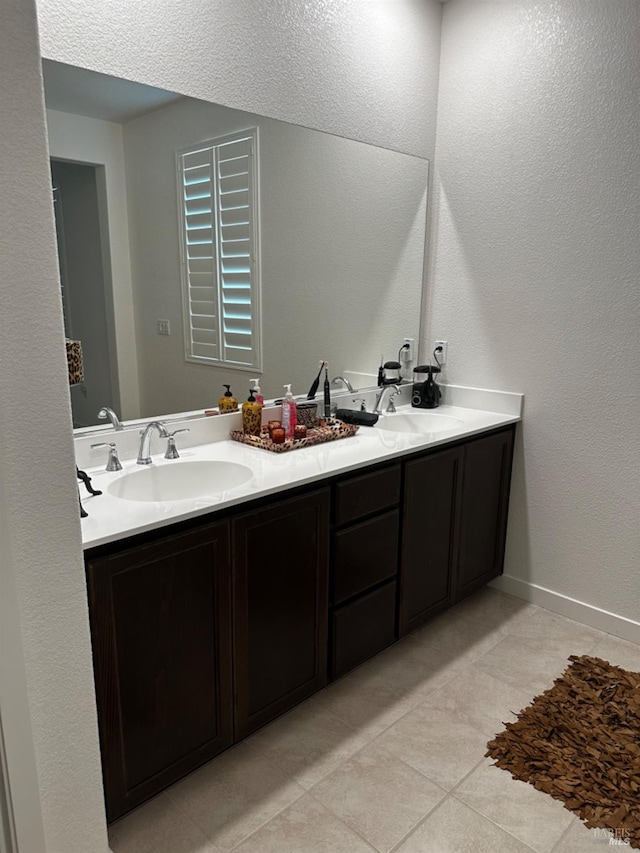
{"points": [[256, 392], [289, 413], [227, 403], [327, 393], [251, 415]]}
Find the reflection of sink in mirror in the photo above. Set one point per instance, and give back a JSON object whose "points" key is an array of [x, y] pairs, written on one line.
{"points": [[179, 481], [355, 250], [421, 423]]}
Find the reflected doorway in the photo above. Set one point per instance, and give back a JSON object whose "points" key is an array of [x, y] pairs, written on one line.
{"points": [[80, 217]]}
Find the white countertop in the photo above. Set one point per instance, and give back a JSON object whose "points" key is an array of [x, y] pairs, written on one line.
{"points": [[111, 518]]}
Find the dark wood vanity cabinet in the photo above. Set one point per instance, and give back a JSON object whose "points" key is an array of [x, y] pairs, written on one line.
{"points": [[161, 635], [204, 635], [281, 566], [454, 524]]}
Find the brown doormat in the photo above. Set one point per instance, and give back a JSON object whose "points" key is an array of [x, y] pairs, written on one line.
{"points": [[580, 742]]}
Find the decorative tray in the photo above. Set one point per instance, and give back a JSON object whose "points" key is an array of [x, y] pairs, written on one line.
{"points": [[330, 429]]}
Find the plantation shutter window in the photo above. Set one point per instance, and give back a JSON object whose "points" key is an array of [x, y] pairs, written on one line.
{"points": [[217, 184]]}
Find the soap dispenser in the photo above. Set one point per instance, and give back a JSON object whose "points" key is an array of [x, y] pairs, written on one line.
{"points": [[289, 412], [227, 403], [251, 415], [257, 393]]}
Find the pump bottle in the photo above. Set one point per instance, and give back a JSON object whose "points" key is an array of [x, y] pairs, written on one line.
{"points": [[257, 393], [289, 412]]}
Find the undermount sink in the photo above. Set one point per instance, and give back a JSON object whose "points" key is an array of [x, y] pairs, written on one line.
{"points": [[419, 423], [178, 481]]}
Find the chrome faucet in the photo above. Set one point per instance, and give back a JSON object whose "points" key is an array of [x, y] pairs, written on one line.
{"points": [[377, 410], [144, 454], [344, 381], [105, 412]]}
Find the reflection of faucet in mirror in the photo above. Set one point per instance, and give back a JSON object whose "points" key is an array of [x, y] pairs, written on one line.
{"points": [[105, 412], [344, 381], [144, 454], [377, 409]]}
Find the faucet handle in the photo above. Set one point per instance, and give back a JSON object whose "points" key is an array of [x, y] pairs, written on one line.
{"points": [[172, 450], [113, 463]]}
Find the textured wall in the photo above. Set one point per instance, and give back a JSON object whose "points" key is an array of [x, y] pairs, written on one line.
{"points": [[42, 570], [536, 270], [366, 69]]}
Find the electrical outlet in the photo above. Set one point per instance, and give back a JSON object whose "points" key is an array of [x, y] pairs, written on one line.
{"points": [[163, 327], [406, 355], [442, 354]]}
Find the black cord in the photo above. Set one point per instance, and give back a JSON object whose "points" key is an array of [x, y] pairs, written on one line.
{"points": [[437, 349], [404, 346]]}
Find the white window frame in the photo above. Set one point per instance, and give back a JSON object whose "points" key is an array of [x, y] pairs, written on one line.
{"points": [[215, 323]]}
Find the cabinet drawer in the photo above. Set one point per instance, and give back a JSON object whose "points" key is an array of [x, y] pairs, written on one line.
{"points": [[361, 496], [363, 628], [365, 554]]}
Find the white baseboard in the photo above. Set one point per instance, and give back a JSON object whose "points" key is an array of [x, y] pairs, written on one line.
{"points": [[589, 615]]}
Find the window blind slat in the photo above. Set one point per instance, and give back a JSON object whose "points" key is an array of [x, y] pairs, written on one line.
{"points": [[205, 336], [219, 239], [200, 266], [233, 150], [230, 168], [235, 183], [202, 307], [206, 352]]}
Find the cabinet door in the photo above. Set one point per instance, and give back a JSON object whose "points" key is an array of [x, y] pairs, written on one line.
{"points": [[161, 634], [485, 501], [281, 607], [428, 561]]}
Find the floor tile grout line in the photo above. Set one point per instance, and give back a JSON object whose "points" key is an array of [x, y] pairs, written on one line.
{"points": [[265, 822], [206, 834], [495, 823], [400, 695], [194, 823], [346, 761], [466, 776], [556, 847], [343, 821], [420, 823]]}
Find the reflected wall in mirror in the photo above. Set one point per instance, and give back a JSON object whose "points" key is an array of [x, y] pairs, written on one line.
{"points": [[342, 242]]}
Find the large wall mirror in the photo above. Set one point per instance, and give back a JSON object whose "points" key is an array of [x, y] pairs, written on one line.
{"points": [[342, 245]]}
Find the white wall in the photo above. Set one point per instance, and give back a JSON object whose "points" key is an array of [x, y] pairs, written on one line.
{"points": [[89, 140], [46, 681], [365, 69], [536, 264]]}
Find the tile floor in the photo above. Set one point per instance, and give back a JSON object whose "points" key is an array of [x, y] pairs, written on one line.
{"points": [[390, 758]]}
